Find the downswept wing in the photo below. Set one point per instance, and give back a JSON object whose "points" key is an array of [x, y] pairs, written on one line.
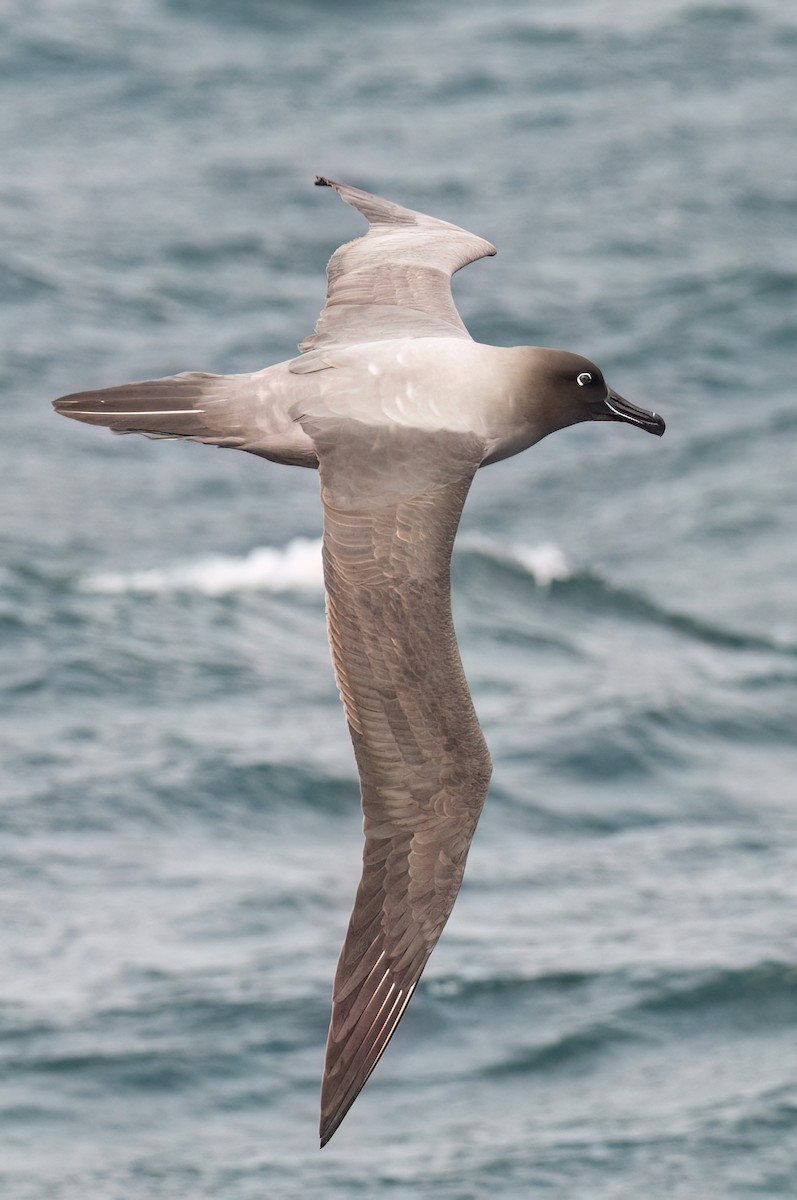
{"points": [[392, 502], [395, 281]]}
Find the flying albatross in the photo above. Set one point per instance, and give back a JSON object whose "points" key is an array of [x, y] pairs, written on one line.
{"points": [[397, 407]]}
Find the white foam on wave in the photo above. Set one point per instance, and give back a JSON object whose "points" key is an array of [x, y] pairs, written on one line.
{"points": [[295, 567], [546, 563]]}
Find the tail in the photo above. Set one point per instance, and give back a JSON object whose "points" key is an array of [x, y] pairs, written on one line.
{"points": [[193, 405]]}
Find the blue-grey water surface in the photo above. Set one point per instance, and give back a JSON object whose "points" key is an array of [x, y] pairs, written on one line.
{"points": [[612, 1011]]}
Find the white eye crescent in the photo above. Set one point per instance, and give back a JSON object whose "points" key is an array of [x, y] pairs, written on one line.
{"points": [[584, 379]]}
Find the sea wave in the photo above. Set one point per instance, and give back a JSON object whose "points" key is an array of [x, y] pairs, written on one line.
{"points": [[548, 567], [600, 1011], [295, 567], [760, 993]]}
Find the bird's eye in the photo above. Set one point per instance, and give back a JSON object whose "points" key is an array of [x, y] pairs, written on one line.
{"points": [[584, 379]]}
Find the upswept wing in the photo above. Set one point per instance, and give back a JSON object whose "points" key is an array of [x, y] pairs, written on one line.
{"points": [[423, 763], [394, 282]]}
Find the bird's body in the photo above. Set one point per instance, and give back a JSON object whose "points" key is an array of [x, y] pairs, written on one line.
{"points": [[398, 408], [430, 384]]}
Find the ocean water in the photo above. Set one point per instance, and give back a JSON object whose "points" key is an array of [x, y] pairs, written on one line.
{"points": [[612, 1011]]}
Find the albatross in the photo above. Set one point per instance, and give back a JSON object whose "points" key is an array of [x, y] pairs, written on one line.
{"points": [[397, 407]]}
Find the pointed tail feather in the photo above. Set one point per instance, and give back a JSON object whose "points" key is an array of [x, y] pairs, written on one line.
{"points": [[193, 405]]}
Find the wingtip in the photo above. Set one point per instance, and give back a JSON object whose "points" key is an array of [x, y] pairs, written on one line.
{"points": [[328, 1128], [320, 181], [334, 1112]]}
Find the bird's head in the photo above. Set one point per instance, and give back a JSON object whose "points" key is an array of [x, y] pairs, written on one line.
{"points": [[567, 389]]}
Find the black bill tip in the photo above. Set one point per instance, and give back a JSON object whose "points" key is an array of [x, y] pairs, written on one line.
{"points": [[616, 408]]}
